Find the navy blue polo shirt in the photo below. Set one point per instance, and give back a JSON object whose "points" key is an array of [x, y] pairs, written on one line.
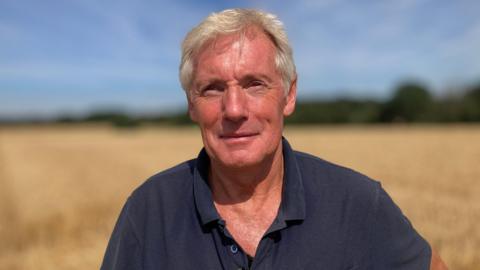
{"points": [[330, 217]]}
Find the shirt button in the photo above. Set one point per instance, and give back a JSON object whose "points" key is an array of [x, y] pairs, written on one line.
{"points": [[234, 249]]}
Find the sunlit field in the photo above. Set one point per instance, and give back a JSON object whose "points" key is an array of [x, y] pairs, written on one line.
{"points": [[61, 187]]}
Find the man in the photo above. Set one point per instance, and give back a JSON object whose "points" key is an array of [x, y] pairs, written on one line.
{"points": [[249, 201]]}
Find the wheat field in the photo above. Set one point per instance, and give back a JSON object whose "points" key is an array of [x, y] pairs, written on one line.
{"points": [[61, 187]]}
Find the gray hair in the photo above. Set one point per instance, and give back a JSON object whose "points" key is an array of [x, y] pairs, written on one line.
{"points": [[232, 21]]}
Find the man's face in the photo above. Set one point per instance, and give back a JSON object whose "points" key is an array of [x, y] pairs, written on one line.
{"points": [[238, 100]]}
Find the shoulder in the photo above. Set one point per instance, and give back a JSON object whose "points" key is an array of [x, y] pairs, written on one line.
{"points": [[169, 180], [154, 206], [343, 194], [327, 175], [164, 191]]}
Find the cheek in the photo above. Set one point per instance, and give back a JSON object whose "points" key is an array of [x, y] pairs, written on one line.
{"points": [[207, 114], [270, 109]]}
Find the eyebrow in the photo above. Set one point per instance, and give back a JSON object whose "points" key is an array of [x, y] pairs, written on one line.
{"points": [[208, 82], [249, 77], [245, 78]]}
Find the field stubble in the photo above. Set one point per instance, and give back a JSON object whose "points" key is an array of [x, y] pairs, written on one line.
{"points": [[61, 188]]}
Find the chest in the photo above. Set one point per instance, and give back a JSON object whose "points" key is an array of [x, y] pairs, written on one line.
{"points": [[316, 242], [248, 230], [287, 248]]}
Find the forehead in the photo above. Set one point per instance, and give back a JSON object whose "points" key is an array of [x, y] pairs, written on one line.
{"points": [[251, 48]]}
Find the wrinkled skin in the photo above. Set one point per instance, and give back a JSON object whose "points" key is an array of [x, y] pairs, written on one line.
{"points": [[238, 100]]}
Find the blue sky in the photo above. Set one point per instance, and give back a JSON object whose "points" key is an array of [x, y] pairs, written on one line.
{"points": [[77, 55]]}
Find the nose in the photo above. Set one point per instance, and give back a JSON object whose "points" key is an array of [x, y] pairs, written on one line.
{"points": [[235, 107]]}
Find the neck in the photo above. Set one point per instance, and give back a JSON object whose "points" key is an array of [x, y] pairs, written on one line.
{"points": [[256, 183]]}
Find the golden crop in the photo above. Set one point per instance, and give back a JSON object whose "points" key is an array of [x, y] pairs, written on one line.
{"points": [[61, 187]]}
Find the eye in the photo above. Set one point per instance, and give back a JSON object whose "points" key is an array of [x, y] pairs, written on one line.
{"points": [[255, 84], [212, 89]]}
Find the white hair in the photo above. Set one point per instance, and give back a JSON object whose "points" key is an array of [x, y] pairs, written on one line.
{"points": [[231, 21]]}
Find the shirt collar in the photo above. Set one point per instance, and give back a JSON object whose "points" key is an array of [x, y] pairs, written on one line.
{"points": [[292, 206], [201, 190]]}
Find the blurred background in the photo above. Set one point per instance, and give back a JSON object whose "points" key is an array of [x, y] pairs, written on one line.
{"points": [[90, 106]]}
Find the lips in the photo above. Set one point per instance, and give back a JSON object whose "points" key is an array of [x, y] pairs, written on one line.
{"points": [[238, 135]]}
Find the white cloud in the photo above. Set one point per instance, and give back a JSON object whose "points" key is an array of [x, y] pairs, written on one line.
{"points": [[338, 44], [374, 44]]}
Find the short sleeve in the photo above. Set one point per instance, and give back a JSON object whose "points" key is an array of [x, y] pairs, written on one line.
{"points": [[396, 244], [123, 250]]}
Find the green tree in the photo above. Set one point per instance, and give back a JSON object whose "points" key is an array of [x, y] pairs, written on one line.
{"points": [[411, 102], [471, 105]]}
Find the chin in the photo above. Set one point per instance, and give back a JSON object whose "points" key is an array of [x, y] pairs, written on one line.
{"points": [[239, 160], [239, 154]]}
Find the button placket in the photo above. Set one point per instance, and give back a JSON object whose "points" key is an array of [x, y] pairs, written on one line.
{"points": [[232, 248]]}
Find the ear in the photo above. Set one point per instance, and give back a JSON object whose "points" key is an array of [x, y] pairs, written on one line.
{"points": [[291, 98], [191, 110]]}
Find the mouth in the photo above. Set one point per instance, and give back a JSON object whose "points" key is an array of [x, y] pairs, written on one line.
{"points": [[238, 136]]}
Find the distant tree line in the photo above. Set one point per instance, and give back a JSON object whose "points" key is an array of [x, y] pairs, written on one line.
{"points": [[411, 102], [125, 120]]}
